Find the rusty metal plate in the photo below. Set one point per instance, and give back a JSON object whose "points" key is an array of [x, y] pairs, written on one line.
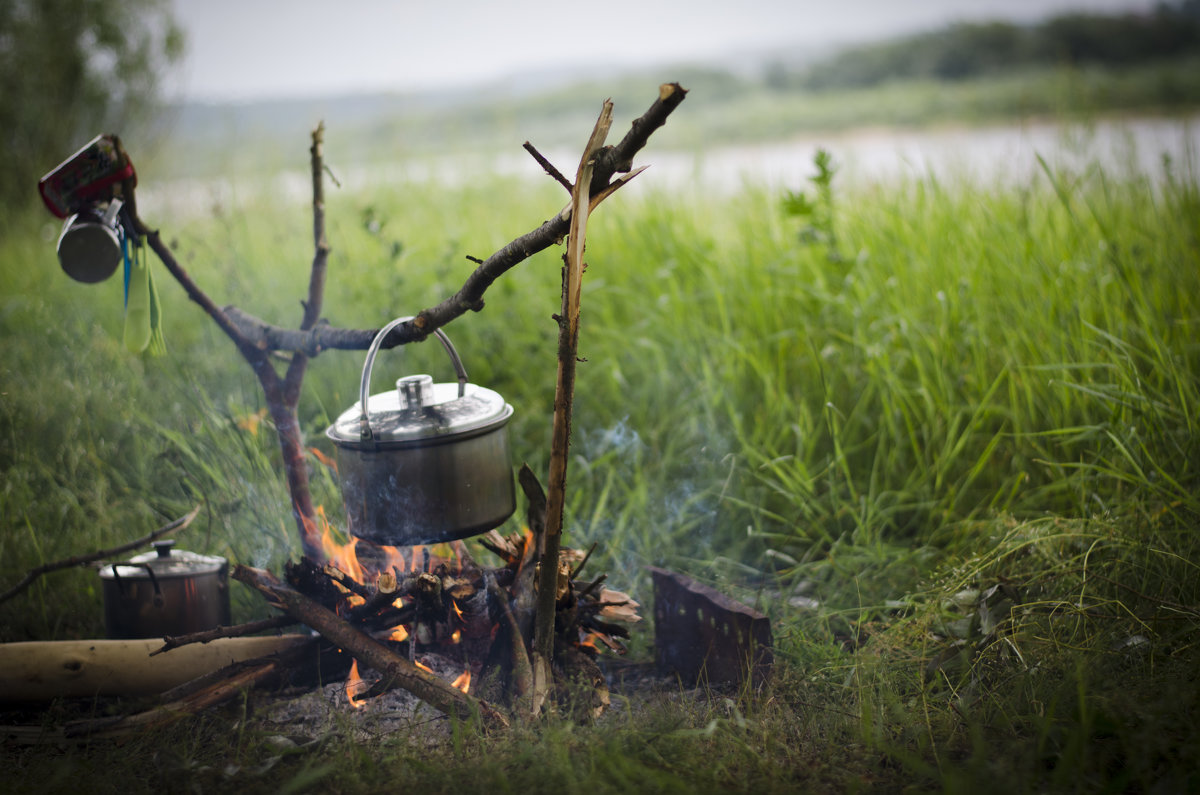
{"points": [[702, 635]]}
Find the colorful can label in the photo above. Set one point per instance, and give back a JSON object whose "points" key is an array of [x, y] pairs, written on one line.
{"points": [[86, 177]]}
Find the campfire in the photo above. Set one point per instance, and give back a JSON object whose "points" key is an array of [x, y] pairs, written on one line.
{"points": [[392, 607], [436, 600], [523, 633]]}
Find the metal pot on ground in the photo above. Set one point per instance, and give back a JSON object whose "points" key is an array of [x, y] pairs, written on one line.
{"points": [[165, 592], [425, 462]]}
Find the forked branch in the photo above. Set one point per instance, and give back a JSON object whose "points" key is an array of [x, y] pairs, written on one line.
{"points": [[612, 169]]}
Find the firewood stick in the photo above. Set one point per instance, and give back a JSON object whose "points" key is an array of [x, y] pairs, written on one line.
{"points": [[568, 351], [83, 560], [288, 658], [522, 671], [535, 514], [575, 571], [369, 652], [346, 581], [235, 631], [591, 586], [242, 678], [387, 591], [393, 616]]}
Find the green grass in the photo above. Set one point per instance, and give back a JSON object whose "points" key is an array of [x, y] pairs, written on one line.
{"points": [[965, 424]]}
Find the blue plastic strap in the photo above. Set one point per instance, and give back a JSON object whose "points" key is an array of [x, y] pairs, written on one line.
{"points": [[128, 265]]}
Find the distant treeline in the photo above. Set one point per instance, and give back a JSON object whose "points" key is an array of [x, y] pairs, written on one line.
{"points": [[968, 50]]}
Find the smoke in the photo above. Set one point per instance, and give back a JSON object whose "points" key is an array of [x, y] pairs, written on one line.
{"points": [[620, 441]]}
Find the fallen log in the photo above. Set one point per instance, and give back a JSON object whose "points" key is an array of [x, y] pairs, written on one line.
{"points": [[43, 670]]}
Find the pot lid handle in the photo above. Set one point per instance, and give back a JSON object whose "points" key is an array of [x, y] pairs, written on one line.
{"points": [[365, 388]]}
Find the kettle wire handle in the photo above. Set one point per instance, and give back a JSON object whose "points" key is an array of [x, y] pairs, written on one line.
{"points": [[365, 388]]}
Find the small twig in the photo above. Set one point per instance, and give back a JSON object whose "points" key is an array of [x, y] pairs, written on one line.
{"points": [[575, 571], [333, 178], [235, 631], [83, 560], [593, 585], [548, 166]]}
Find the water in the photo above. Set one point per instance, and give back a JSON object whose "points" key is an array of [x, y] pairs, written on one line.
{"points": [[1002, 155], [999, 154]]}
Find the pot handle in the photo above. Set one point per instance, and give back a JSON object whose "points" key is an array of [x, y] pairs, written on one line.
{"points": [[365, 388], [158, 597]]}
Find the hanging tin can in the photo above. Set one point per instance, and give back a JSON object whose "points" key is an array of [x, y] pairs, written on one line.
{"points": [[89, 248]]}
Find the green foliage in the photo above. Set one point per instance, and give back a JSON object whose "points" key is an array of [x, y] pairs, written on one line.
{"points": [[71, 69], [818, 209], [987, 48]]}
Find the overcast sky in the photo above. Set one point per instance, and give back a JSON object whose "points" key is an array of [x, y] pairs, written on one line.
{"points": [[252, 49]]}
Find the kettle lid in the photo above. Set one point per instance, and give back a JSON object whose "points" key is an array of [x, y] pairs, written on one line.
{"points": [[418, 411]]}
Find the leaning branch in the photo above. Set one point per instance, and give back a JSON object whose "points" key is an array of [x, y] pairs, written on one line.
{"points": [[611, 161], [83, 560], [568, 348]]}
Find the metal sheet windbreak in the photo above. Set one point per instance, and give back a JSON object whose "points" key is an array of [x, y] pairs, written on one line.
{"points": [[702, 635]]}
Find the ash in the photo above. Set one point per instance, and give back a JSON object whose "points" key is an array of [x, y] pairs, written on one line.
{"points": [[318, 712], [399, 715]]}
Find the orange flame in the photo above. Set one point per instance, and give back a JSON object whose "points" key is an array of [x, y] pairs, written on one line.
{"points": [[324, 459], [457, 612], [526, 542], [399, 633], [341, 555], [456, 636], [463, 682], [354, 684], [393, 559], [423, 666]]}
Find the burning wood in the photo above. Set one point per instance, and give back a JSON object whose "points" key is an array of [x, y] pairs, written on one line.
{"points": [[381, 605], [398, 671]]}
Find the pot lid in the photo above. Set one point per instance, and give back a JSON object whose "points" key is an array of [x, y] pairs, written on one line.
{"points": [[417, 412], [165, 562]]}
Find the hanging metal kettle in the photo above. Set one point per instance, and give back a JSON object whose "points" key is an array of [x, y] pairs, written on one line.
{"points": [[426, 462]]}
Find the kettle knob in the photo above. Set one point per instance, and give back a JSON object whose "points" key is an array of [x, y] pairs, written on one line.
{"points": [[414, 389]]}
